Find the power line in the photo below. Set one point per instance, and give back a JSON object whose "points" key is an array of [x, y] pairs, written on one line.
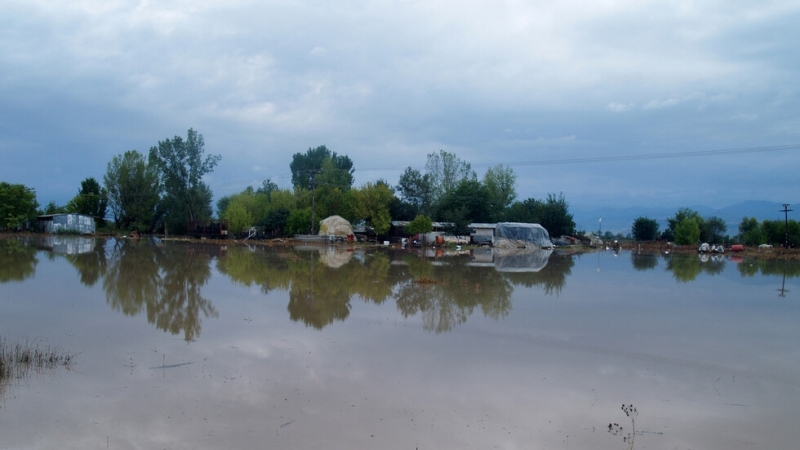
{"points": [[664, 155], [564, 161], [658, 155]]}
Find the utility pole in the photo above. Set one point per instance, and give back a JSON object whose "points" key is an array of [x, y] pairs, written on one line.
{"points": [[785, 211], [313, 174]]}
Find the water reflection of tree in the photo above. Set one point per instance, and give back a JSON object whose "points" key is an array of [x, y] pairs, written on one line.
{"points": [[258, 267], [751, 267], [318, 293], [644, 261], [17, 260], [552, 278], [686, 268], [454, 293], [92, 265], [164, 281]]}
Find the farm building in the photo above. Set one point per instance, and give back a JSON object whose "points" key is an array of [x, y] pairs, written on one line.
{"points": [[67, 223], [398, 228]]}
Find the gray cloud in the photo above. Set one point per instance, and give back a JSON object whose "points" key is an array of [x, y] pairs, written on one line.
{"points": [[389, 82]]}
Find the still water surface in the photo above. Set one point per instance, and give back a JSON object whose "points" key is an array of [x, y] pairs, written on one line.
{"points": [[185, 346]]}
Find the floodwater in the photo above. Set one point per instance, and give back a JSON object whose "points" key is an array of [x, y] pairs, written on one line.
{"points": [[187, 346]]}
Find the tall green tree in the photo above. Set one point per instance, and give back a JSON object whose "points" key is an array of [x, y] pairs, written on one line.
{"points": [[751, 232], [53, 208], [182, 165], [420, 224], [672, 222], [555, 216], [500, 182], [371, 203], [468, 201], [526, 211], [299, 222], [238, 217], [713, 230], [416, 192], [17, 205], [92, 200], [133, 190], [645, 229], [331, 169], [687, 232], [446, 171]]}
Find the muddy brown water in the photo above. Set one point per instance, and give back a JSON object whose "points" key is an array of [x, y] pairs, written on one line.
{"points": [[187, 346]]}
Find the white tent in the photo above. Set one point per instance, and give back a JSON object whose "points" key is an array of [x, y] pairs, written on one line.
{"points": [[521, 235], [335, 226]]}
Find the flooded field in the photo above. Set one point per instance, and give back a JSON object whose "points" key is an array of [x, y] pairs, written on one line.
{"points": [[186, 346]]}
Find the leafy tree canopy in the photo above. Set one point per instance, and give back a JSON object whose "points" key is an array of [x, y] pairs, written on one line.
{"points": [[17, 205], [182, 165], [420, 224], [416, 191], [446, 171], [682, 213], [371, 203], [687, 232], [332, 169], [92, 200], [645, 229], [133, 190], [500, 182], [469, 199]]}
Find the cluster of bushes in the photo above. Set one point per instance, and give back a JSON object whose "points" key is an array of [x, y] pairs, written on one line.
{"points": [[688, 227]]}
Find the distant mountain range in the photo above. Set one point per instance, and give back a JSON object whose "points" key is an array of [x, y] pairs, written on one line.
{"points": [[620, 220]]}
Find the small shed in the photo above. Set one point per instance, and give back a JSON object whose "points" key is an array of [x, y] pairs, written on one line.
{"points": [[398, 228], [482, 229], [67, 223]]}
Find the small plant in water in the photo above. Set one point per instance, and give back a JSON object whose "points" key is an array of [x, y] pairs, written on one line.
{"points": [[20, 359], [616, 429]]}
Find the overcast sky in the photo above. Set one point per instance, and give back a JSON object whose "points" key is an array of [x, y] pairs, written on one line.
{"points": [[388, 82]]}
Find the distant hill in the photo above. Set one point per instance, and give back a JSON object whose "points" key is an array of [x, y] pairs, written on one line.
{"points": [[619, 220]]}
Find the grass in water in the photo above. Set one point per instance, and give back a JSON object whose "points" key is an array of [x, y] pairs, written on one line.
{"points": [[20, 359]]}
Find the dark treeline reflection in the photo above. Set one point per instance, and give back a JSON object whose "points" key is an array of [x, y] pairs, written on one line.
{"points": [[320, 281], [551, 278], [164, 281], [91, 265], [644, 261], [684, 267], [17, 260], [750, 267], [323, 282], [445, 295]]}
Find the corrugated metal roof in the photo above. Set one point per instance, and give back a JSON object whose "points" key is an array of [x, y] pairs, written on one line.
{"points": [[482, 225]]}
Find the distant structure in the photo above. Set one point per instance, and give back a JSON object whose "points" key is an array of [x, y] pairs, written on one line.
{"points": [[71, 223]]}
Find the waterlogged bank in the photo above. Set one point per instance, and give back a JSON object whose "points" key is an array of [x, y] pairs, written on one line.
{"points": [[198, 346]]}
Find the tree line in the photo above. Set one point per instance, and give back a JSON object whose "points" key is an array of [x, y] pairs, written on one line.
{"points": [[448, 190], [164, 190], [161, 190], [688, 227]]}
